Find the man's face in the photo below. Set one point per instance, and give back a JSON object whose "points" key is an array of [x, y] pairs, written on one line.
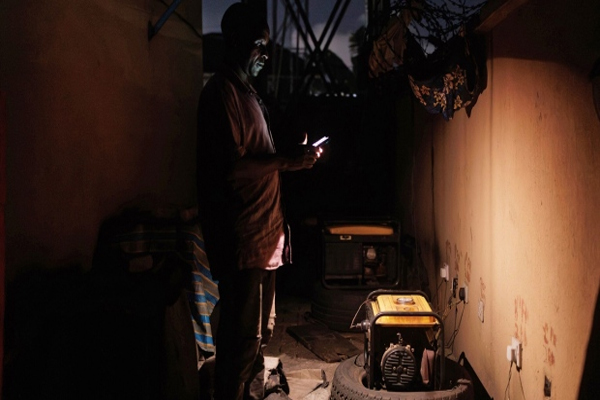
{"points": [[254, 54]]}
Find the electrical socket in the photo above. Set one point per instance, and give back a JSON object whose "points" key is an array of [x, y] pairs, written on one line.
{"points": [[445, 272], [454, 287], [514, 352], [480, 308], [547, 387], [518, 351], [463, 293]]}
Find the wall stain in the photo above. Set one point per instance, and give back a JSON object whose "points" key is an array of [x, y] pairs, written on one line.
{"points": [[457, 257], [467, 268], [482, 288], [521, 318], [550, 340]]}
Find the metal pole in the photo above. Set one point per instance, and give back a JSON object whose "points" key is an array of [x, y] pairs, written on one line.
{"points": [[153, 30], [336, 25], [316, 60], [280, 58], [325, 74], [274, 28], [273, 54]]}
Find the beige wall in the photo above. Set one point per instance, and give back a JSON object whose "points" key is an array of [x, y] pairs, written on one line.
{"points": [[509, 199], [97, 117]]}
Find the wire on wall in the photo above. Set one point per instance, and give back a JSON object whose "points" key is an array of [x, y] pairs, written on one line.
{"points": [[450, 344], [506, 391]]}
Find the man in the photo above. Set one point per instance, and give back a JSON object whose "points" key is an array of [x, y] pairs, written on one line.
{"points": [[240, 203]]}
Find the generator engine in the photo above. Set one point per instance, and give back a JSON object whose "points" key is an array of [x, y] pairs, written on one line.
{"points": [[402, 337], [398, 366]]}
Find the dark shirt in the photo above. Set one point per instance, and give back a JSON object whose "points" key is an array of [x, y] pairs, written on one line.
{"points": [[242, 219]]}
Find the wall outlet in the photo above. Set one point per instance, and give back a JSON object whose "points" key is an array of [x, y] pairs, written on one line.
{"points": [[480, 308], [463, 293], [518, 351], [547, 387], [514, 352], [445, 272]]}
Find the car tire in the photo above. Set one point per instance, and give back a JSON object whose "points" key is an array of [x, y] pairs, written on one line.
{"points": [[350, 377], [337, 308]]}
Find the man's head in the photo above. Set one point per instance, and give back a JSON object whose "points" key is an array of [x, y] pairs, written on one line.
{"points": [[246, 34]]}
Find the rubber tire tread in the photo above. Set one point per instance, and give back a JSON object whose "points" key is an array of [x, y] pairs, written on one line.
{"points": [[348, 384], [336, 322], [336, 307], [339, 299]]}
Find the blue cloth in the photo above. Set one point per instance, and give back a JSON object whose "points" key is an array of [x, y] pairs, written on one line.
{"points": [[186, 240]]}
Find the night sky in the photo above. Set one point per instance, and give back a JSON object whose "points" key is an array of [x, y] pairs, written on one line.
{"points": [[319, 11]]}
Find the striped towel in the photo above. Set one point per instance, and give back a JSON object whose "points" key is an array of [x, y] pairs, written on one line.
{"points": [[186, 240]]}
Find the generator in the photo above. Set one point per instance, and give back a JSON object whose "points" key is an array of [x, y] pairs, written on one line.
{"points": [[361, 254], [403, 342]]}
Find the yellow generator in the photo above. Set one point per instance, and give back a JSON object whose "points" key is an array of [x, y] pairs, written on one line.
{"points": [[403, 342]]}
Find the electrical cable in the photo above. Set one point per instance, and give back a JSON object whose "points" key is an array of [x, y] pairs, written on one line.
{"points": [[449, 305], [443, 297], [450, 343], [445, 292], [352, 324], [506, 392], [435, 295], [356, 361], [434, 22], [521, 382]]}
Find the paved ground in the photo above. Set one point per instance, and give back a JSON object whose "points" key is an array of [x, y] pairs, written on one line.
{"points": [[296, 359], [303, 369]]}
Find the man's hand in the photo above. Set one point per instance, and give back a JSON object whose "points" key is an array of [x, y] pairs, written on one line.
{"points": [[300, 156], [303, 156]]}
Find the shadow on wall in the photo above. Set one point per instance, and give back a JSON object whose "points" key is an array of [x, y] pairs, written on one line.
{"points": [[101, 334], [63, 336]]}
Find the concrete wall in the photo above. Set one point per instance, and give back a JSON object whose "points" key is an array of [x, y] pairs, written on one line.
{"points": [[98, 117], [509, 199]]}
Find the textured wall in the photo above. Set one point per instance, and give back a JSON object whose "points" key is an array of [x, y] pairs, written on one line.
{"points": [[97, 117], [509, 199]]}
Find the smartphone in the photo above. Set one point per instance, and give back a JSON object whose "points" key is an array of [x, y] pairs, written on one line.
{"points": [[321, 141]]}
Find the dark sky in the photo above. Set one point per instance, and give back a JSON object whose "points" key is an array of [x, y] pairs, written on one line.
{"points": [[319, 11]]}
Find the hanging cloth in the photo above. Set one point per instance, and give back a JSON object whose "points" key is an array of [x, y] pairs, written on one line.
{"points": [[389, 48], [450, 78]]}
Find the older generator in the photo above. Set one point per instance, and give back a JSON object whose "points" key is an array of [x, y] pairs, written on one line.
{"points": [[361, 254], [402, 339]]}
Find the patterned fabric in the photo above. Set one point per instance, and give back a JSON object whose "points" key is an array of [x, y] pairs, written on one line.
{"points": [[452, 77], [444, 93], [185, 239], [389, 48], [203, 292]]}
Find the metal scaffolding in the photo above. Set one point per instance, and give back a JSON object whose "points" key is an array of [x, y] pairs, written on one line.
{"points": [[306, 58]]}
